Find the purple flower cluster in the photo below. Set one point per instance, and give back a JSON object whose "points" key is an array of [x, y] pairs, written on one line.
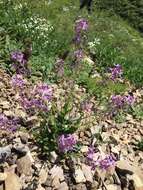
{"points": [[103, 163], [78, 54], [20, 63], [9, 124], [18, 81], [18, 56], [37, 99], [107, 162], [120, 101], [81, 26], [116, 72], [67, 142], [44, 91]]}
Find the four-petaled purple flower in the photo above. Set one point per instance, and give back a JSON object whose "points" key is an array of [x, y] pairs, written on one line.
{"points": [[67, 142], [116, 71], [18, 81]]}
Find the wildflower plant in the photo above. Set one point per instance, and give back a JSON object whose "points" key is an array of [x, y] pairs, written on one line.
{"points": [[8, 123], [102, 162]]}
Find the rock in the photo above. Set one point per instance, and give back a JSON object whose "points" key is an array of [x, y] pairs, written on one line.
{"points": [[21, 149], [113, 187], [53, 156], [115, 139], [63, 186], [3, 176], [95, 185], [138, 138], [1, 187], [56, 182], [138, 182], [43, 176], [84, 149], [79, 176], [105, 136], [24, 165], [80, 187], [24, 137], [40, 187], [87, 173], [57, 171], [5, 152], [12, 182], [57, 176], [95, 129]]}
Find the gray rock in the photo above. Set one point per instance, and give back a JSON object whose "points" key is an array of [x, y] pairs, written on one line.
{"points": [[5, 152]]}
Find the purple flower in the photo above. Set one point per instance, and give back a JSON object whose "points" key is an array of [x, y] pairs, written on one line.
{"points": [[44, 91], [129, 99], [17, 81], [90, 153], [120, 101], [37, 99], [81, 25], [107, 162], [67, 142], [9, 124], [78, 54], [20, 64], [116, 71], [17, 56]]}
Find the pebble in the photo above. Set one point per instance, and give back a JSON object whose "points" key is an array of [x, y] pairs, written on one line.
{"points": [[79, 176]]}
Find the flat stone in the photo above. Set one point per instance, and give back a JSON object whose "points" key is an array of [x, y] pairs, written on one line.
{"points": [[12, 182], [79, 176], [43, 176], [3, 176], [84, 149], [87, 173], [63, 186], [138, 182], [24, 165]]}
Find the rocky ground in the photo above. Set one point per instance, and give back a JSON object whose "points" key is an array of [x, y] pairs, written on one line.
{"points": [[22, 166]]}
